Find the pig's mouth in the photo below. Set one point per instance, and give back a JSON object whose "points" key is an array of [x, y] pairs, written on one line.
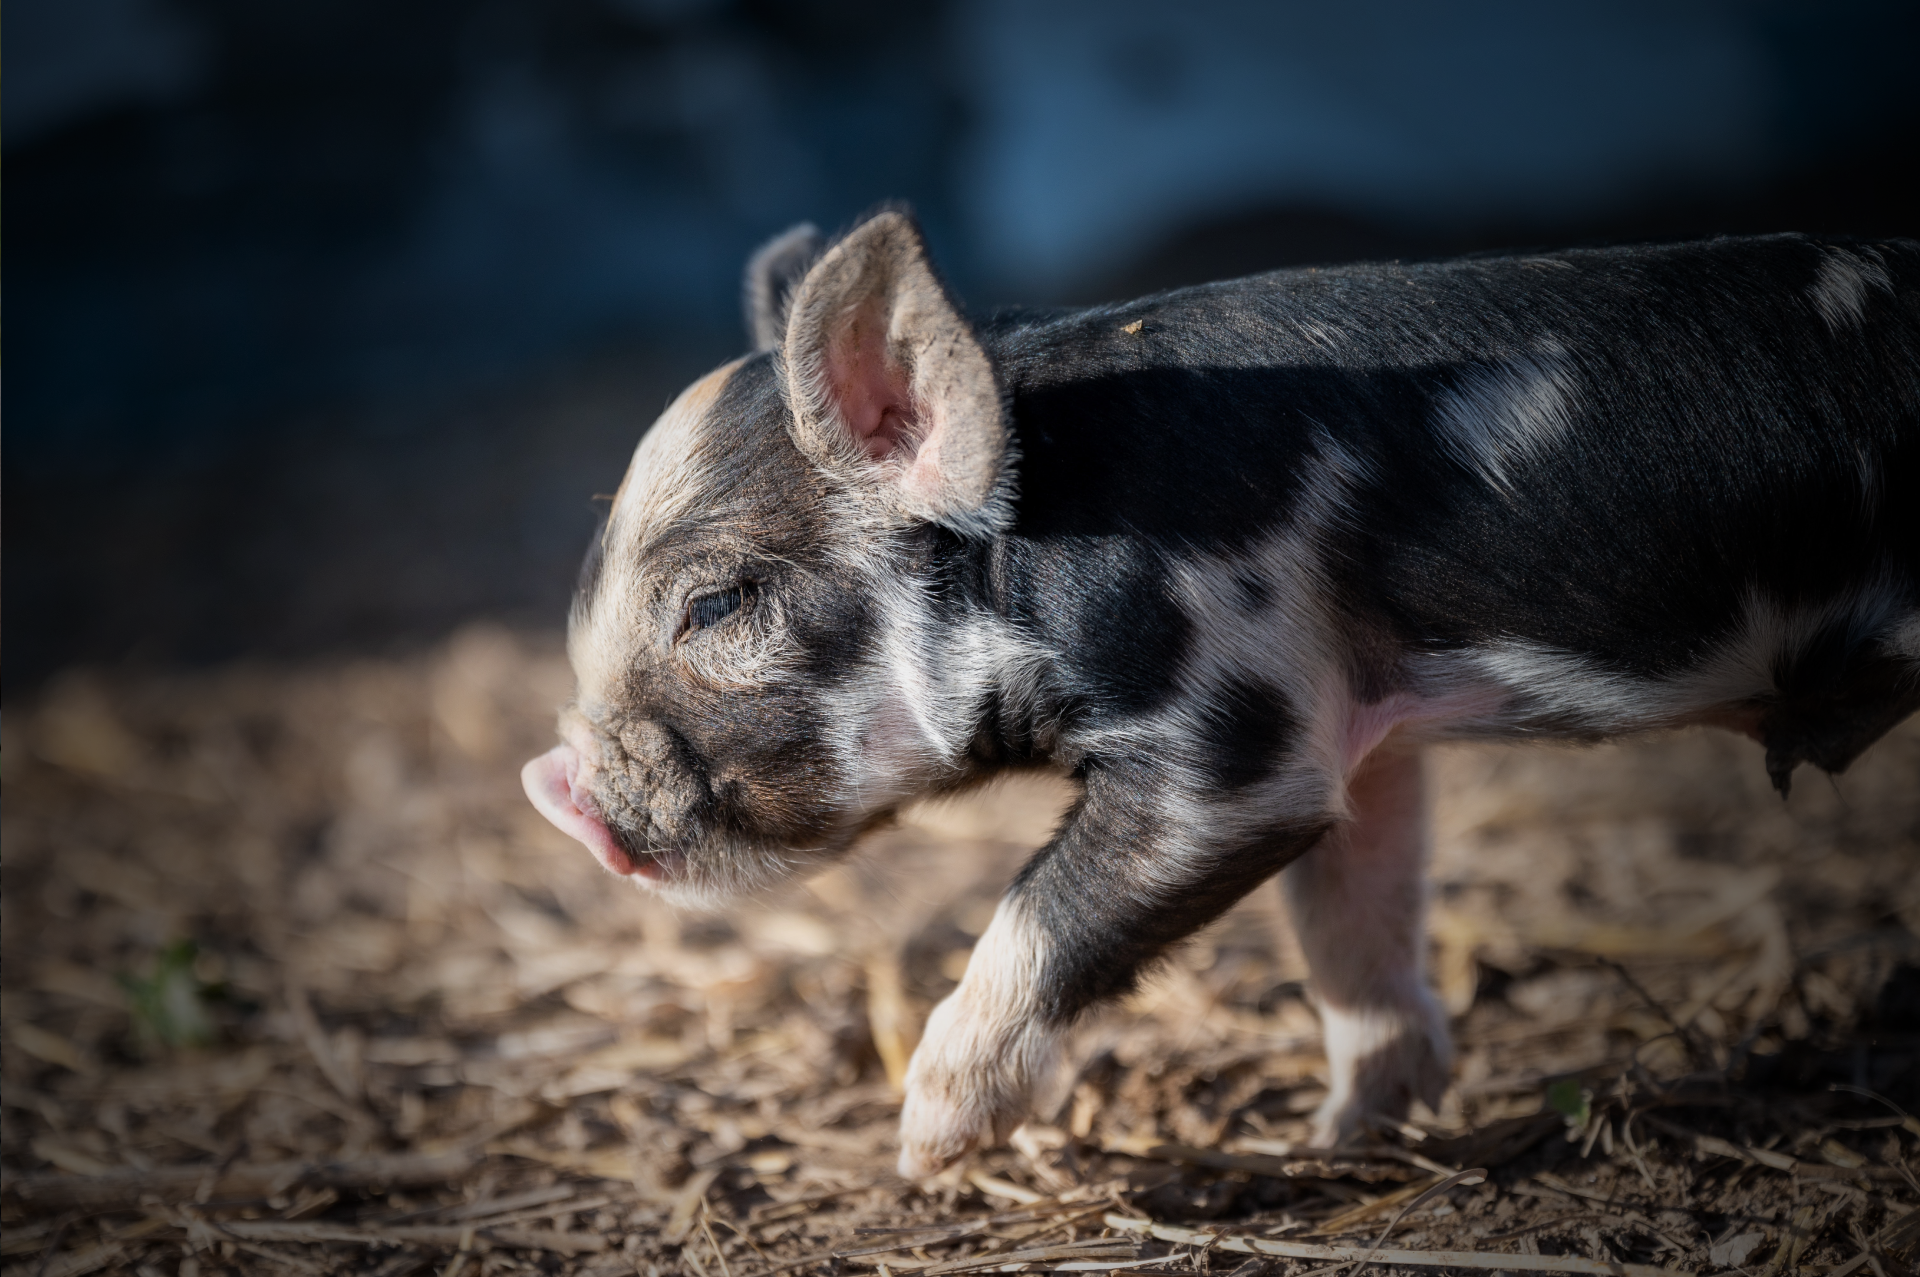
{"points": [[552, 782]]}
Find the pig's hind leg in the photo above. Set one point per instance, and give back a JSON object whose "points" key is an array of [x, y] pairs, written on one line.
{"points": [[1358, 903]]}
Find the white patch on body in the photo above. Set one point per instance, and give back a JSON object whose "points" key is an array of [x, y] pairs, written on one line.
{"points": [[903, 725], [1839, 291], [1291, 645], [1575, 694], [1904, 638], [984, 1048], [1498, 418]]}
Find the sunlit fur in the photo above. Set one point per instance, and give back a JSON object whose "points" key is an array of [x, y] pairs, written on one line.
{"points": [[1260, 543], [983, 1050], [1840, 291]]}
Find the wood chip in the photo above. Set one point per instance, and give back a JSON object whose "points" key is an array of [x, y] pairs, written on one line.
{"points": [[1494, 1260], [1714, 1146], [686, 1206], [282, 1258], [51, 1047], [1093, 1248], [888, 1017], [1006, 1189], [448, 1236], [74, 1263], [122, 1188], [514, 1202], [1319, 1165], [963, 1232], [1896, 1236], [319, 1046]]}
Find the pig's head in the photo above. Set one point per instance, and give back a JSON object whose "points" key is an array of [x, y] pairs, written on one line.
{"points": [[759, 672]]}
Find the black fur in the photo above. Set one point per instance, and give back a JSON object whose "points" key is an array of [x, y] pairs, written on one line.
{"points": [[1715, 435], [1103, 602], [1722, 437], [1252, 727], [1094, 892]]}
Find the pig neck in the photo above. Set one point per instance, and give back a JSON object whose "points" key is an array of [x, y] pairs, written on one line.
{"points": [[1134, 458], [980, 612]]}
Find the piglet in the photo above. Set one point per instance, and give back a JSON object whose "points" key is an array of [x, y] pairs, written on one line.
{"points": [[1231, 555]]}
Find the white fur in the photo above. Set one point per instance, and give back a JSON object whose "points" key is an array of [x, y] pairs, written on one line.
{"points": [[1500, 417], [983, 1050], [666, 480], [662, 486], [903, 726], [1573, 694], [1839, 291]]}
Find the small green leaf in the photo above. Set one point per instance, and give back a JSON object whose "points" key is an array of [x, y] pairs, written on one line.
{"points": [[170, 1006], [1570, 1100]]}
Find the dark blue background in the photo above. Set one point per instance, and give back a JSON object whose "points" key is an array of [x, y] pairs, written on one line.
{"points": [[325, 318]]}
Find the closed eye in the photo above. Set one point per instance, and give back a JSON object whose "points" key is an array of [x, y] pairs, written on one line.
{"points": [[711, 609]]}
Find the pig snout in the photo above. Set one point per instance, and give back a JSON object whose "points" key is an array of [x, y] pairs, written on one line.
{"points": [[626, 796], [553, 783]]}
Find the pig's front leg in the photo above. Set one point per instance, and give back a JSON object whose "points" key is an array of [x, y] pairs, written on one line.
{"points": [[1358, 901], [1133, 871], [969, 1080]]}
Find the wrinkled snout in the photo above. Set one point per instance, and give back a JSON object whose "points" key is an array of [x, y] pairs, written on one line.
{"points": [[556, 784]]}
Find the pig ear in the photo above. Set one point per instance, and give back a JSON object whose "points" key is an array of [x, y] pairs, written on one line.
{"points": [[887, 382], [773, 272]]}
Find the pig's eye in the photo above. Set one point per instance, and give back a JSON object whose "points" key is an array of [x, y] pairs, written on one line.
{"points": [[711, 609]]}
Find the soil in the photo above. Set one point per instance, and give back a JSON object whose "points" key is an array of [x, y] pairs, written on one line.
{"points": [[296, 982]]}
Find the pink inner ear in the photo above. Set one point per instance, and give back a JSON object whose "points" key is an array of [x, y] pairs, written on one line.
{"points": [[873, 393]]}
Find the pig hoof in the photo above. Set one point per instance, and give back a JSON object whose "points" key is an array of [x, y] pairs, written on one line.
{"points": [[1380, 1064], [967, 1085], [946, 1118]]}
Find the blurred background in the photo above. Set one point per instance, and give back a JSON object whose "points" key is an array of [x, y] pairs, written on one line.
{"points": [[326, 320]]}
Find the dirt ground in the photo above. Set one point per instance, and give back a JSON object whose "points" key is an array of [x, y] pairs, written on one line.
{"points": [[295, 982]]}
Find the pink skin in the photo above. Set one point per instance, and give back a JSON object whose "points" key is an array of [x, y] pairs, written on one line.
{"points": [[1358, 902], [874, 394], [553, 782]]}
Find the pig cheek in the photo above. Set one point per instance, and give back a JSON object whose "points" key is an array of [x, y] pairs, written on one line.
{"points": [[775, 776]]}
